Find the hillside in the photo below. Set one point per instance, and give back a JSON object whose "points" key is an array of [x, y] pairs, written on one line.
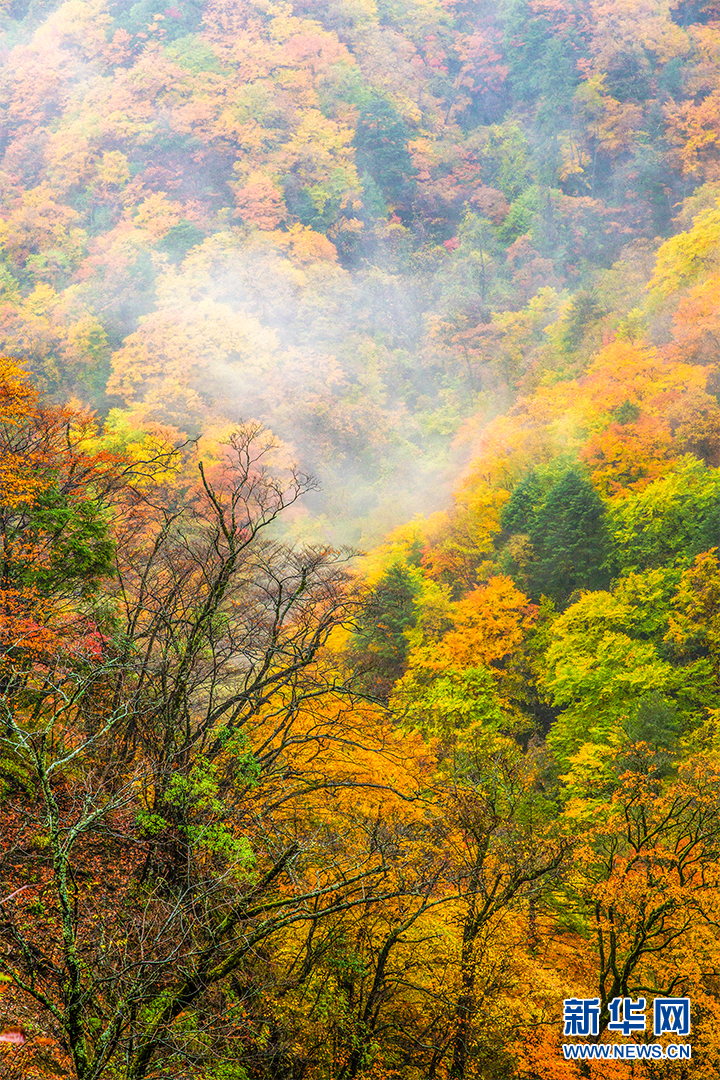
{"points": [[323, 216], [439, 278]]}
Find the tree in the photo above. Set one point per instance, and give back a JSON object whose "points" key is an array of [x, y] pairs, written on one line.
{"points": [[606, 657], [673, 520], [502, 852], [381, 145], [379, 652], [57, 484], [197, 732], [645, 882], [565, 526], [694, 626]]}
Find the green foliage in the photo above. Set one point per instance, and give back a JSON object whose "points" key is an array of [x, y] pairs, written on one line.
{"points": [[194, 802], [230, 1070], [521, 215], [598, 672], [585, 310], [193, 54], [179, 239], [381, 138], [569, 536], [626, 413], [506, 158], [607, 669], [178, 20], [563, 518], [672, 77], [650, 596], [518, 515], [557, 80], [654, 721], [30, 12], [75, 534], [453, 704], [380, 646], [541, 64], [628, 75], [671, 521]]}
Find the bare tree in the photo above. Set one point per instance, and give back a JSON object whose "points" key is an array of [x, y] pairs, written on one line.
{"points": [[169, 806]]}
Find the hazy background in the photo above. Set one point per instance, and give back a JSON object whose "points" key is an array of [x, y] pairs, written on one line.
{"points": [[355, 221]]}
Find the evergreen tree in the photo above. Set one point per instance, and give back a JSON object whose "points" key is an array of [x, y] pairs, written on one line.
{"points": [[569, 537], [518, 514], [379, 652]]}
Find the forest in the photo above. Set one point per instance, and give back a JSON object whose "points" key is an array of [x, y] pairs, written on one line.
{"points": [[359, 537]]}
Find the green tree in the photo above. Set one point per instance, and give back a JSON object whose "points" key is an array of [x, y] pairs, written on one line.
{"points": [[569, 535], [607, 669], [381, 150], [379, 651], [540, 60], [564, 521], [669, 523], [518, 515]]}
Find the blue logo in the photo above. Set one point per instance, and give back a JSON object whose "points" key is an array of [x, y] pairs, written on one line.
{"points": [[671, 1016], [581, 1016], [633, 1015]]}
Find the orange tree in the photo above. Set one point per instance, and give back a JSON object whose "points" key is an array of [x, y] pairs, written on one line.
{"points": [[644, 884]]}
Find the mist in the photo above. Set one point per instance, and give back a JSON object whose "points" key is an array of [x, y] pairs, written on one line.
{"points": [[317, 219]]}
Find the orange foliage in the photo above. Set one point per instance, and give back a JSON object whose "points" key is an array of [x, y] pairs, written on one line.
{"points": [[658, 410], [694, 129], [490, 624], [627, 457], [260, 202]]}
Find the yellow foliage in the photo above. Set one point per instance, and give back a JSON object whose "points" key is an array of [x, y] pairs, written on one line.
{"points": [[646, 23], [157, 214], [685, 257], [113, 168], [306, 246], [490, 624]]}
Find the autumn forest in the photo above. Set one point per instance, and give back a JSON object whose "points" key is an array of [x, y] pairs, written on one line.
{"points": [[359, 536]]}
